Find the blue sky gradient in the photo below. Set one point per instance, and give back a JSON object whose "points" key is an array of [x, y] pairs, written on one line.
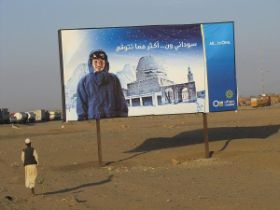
{"points": [[29, 52]]}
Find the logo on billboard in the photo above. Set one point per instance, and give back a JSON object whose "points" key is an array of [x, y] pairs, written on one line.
{"points": [[229, 103], [223, 42], [229, 94], [217, 103]]}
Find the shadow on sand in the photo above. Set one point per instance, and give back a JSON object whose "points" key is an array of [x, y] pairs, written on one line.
{"points": [[196, 137], [109, 179], [215, 134]]}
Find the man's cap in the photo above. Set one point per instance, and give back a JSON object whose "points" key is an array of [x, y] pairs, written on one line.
{"points": [[27, 141], [99, 54]]}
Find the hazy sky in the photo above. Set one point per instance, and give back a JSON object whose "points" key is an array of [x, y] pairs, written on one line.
{"points": [[29, 52]]}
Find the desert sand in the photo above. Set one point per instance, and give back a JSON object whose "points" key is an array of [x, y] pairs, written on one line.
{"points": [[152, 162]]}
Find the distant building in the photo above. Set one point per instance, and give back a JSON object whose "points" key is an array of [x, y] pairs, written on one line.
{"points": [[4, 115], [152, 86], [40, 115]]}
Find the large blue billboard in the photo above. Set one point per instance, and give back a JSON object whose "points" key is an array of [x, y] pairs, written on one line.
{"points": [[147, 70]]}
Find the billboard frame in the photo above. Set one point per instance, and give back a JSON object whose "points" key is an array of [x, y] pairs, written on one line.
{"points": [[205, 123], [138, 26]]}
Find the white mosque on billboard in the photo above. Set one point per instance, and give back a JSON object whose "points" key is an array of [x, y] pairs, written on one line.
{"points": [[153, 88]]}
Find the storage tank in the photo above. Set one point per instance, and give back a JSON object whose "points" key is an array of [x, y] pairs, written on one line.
{"points": [[264, 101], [12, 117], [54, 115], [30, 117], [18, 117], [40, 115], [51, 115]]}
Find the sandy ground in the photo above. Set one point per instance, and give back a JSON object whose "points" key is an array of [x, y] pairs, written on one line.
{"points": [[154, 162]]}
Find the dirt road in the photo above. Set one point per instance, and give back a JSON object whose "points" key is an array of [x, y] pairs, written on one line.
{"points": [[154, 162]]}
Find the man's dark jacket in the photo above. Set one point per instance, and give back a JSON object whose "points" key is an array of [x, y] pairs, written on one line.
{"points": [[99, 95]]}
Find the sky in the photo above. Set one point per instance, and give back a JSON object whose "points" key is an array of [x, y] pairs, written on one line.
{"points": [[29, 50]]}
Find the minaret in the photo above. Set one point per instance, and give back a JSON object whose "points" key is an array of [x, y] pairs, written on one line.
{"points": [[190, 75]]}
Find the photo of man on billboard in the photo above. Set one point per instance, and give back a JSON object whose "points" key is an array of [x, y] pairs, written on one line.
{"points": [[99, 93]]}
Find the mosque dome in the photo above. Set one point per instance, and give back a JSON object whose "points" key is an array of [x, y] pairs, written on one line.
{"points": [[149, 67]]}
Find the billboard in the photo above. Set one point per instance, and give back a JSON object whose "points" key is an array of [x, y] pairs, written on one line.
{"points": [[147, 70]]}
